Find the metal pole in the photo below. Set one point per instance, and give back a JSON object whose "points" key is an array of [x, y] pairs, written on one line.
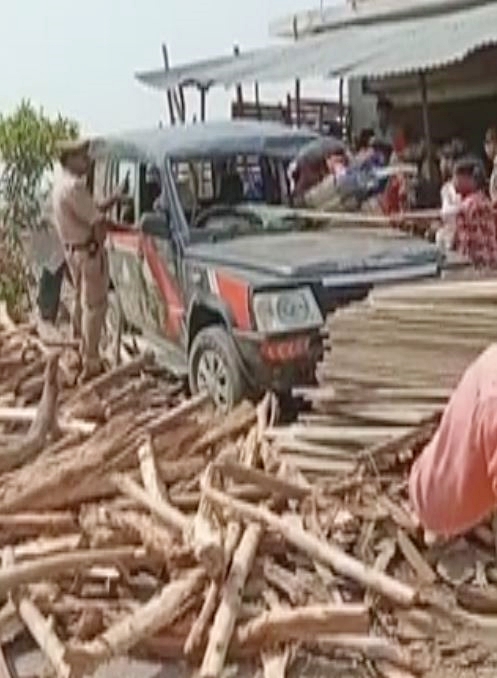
{"points": [[257, 100], [297, 102], [203, 93], [341, 109], [170, 103], [426, 120], [239, 90], [297, 81]]}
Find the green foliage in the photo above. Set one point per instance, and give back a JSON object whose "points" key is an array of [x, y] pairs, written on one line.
{"points": [[28, 139], [27, 147], [14, 277]]}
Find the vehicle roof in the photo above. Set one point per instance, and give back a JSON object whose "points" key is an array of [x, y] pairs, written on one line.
{"points": [[205, 140]]}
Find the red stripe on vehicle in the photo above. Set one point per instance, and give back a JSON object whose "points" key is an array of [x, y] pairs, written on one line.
{"points": [[122, 240], [235, 293], [168, 288]]}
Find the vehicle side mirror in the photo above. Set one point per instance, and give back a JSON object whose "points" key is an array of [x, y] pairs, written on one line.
{"points": [[156, 224]]}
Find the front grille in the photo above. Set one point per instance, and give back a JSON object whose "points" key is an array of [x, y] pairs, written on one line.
{"points": [[331, 298]]}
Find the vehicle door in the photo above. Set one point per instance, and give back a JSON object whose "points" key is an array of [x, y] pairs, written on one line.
{"points": [[125, 257], [163, 308]]}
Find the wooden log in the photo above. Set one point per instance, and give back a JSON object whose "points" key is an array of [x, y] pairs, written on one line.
{"points": [[245, 474], [169, 419], [45, 637], [304, 623], [174, 518], [372, 648], [275, 664], [199, 627], [324, 552], [105, 381], [198, 632], [51, 566], [144, 622], [150, 476], [27, 524], [28, 415], [152, 534], [52, 487], [10, 624], [4, 668], [45, 422], [424, 572], [46, 546], [204, 532], [284, 581], [235, 422], [227, 613]]}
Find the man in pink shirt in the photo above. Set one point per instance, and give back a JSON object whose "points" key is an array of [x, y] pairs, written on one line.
{"points": [[453, 484]]}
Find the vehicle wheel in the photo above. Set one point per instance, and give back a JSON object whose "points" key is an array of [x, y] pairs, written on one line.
{"points": [[213, 366]]}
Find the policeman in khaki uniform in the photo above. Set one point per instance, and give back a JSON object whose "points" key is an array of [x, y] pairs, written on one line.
{"points": [[82, 228]]}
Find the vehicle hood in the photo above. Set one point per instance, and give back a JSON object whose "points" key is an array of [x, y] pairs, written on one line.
{"points": [[348, 255]]}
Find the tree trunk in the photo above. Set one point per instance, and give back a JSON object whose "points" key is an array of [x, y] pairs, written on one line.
{"points": [[225, 620]]}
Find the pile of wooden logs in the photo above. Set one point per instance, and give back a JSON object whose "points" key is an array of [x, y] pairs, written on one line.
{"points": [[135, 521]]}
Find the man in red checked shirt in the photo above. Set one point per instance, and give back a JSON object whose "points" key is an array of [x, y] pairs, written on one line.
{"points": [[475, 235]]}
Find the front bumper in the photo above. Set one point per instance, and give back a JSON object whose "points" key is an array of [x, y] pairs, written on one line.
{"points": [[279, 363]]}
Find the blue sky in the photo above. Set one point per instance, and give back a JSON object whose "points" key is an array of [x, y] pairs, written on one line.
{"points": [[79, 57]]}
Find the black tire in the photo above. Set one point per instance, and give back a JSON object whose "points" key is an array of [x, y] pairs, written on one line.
{"points": [[214, 347]]}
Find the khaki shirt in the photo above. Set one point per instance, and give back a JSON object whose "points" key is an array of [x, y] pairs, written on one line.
{"points": [[493, 183], [74, 210]]}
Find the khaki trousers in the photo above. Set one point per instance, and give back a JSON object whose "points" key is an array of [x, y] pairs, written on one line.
{"points": [[91, 281]]}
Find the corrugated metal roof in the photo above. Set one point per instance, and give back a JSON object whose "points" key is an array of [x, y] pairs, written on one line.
{"points": [[372, 50], [363, 12]]}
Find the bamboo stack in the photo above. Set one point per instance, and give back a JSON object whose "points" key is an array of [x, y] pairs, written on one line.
{"points": [[134, 521], [394, 359]]}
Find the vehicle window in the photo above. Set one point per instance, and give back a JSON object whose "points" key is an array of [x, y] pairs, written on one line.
{"points": [[99, 177], [125, 212], [232, 194], [127, 169], [195, 186], [152, 194]]}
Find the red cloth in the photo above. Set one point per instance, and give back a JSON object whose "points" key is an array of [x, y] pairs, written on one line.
{"points": [[394, 198], [476, 231], [453, 484]]}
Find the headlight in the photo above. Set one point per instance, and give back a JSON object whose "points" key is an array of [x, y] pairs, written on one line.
{"points": [[286, 310]]}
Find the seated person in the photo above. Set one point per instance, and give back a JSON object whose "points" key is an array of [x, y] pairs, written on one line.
{"points": [[152, 189], [231, 186]]}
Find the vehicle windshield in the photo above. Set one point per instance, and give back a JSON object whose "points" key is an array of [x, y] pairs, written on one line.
{"points": [[233, 196]]}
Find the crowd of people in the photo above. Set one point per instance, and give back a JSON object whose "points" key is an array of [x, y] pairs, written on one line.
{"points": [[386, 173]]}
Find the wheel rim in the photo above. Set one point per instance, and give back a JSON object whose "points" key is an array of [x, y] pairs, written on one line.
{"points": [[213, 377]]}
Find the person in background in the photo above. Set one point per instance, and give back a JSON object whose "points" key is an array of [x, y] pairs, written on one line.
{"points": [[47, 249], [453, 484], [475, 234], [491, 153], [384, 130], [449, 197], [323, 176]]}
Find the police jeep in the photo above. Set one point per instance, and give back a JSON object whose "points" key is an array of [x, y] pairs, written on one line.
{"points": [[229, 284]]}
